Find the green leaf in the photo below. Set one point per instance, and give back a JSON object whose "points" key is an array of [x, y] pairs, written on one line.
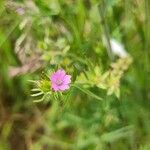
{"points": [[86, 91], [33, 81], [38, 100], [37, 94], [117, 134], [35, 90], [45, 96]]}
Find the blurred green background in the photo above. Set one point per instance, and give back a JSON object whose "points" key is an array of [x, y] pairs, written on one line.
{"points": [[41, 35]]}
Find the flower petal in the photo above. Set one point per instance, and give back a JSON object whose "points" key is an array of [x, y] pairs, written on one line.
{"points": [[67, 79], [60, 76], [61, 73], [54, 77], [64, 87], [55, 87]]}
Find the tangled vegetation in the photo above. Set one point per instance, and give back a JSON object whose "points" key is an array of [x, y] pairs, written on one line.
{"points": [[74, 75]]}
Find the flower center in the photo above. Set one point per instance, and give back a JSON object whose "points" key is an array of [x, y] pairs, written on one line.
{"points": [[59, 82]]}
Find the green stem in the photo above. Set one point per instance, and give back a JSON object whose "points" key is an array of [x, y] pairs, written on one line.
{"points": [[105, 29]]}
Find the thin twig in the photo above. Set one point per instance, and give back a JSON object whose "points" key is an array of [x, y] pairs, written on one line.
{"points": [[33, 64]]}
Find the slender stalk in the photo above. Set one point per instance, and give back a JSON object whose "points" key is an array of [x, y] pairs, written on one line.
{"points": [[9, 33], [101, 8], [147, 24]]}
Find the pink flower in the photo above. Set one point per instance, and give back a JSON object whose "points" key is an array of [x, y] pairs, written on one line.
{"points": [[60, 80]]}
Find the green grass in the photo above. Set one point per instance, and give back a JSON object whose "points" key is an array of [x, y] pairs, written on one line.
{"points": [[54, 34]]}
